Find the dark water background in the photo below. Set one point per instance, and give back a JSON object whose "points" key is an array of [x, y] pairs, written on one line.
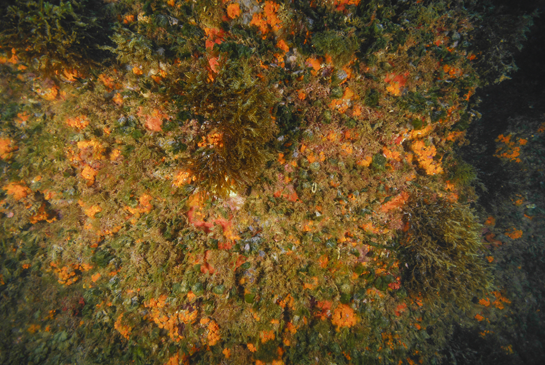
{"points": [[523, 96]]}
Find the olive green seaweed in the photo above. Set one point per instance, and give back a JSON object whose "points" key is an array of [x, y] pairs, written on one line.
{"points": [[236, 105], [52, 35], [337, 44], [442, 251]]}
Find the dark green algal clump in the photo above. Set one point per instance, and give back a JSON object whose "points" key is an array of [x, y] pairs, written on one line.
{"points": [[443, 252], [236, 106]]}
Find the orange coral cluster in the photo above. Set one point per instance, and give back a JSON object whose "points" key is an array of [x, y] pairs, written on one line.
{"points": [[425, 155], [182, 178], [365, 162], [177, 360], [451, 71], [344, 102], [510, 151], [498, 301], [87, 157], [89, 174], [344, 316], [169, 322], [266, 336], [90, 211], [283, 46], [7, 147], [233, 10], [107, 81], [123, 329], [33, 328], [396, 83], [49, 94], [456, 136], [213, 36], [89, 151], [341, 4], [154, 121], [42, 215], [324, 309], [490, 221], [17, 190], [22, 117], [213, 336], [396, 202], [391, 154], [315, 64], [78, 122], [370, 227], [71, 75], [268, 19], [288, 300], [68, 274], [514, 233], [144, 206], [212, 140], [14, 59], [92, 147]]}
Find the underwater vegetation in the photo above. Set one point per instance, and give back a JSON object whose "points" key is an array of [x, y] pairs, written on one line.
{"points": [[57, 37], [442, 250], [338, 46], [237, 123], [244, 182]]}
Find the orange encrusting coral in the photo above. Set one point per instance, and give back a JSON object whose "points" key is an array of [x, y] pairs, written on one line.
{"points": [[123, 329], [514, 233], [510, 151], [42, 215], [214, 36], [268, 19], [78, 122], [17, 190], [340, 5], [170, 322], [396, 83], [233, 10], [154, 121], [396, 202], [68, 275], [344, 316], [7, 147], [89, 174], [425, 155]]}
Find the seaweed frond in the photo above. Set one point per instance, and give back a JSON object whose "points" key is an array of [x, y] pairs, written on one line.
{"points": [[442, 251], [236, 108], [53, 36]]}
